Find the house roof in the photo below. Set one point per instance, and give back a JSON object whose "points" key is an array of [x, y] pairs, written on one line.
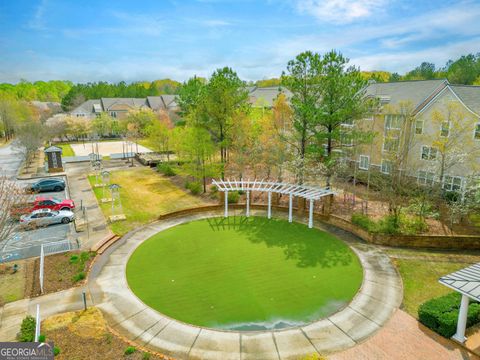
{"points": [[130, 102], [52, 149], [86, 107], [470, 96], [465, 281], [155, 102], [418, 92], [266, 95]]}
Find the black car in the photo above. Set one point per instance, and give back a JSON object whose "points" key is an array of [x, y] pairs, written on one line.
{"points": [[47, 185]]}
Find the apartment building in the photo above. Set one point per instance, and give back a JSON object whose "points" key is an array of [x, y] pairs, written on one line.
{"points": [[429, 130]]}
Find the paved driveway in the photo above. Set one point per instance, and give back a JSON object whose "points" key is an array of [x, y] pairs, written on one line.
{"points": [[10, 160]]}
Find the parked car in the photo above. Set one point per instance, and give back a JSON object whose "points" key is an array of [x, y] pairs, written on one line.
{"points": [[45, 217], [41, 202], [50, 184]]}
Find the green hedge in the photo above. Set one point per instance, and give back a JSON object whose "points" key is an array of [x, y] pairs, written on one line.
{"points": [[364, 222], [27, 329], [441, 314]]}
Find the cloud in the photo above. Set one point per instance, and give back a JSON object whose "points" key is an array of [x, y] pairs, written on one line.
{"points": [[339, 11], [216, 23], [38, 20]]}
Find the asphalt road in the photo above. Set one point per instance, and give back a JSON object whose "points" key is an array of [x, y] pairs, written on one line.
{"points": [[10, 160]]}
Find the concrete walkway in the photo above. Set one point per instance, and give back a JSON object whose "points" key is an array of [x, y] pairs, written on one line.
{"points": [[12, 314], [376, 301], [81, 192]]}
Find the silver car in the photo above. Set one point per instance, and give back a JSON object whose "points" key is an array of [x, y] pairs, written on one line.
{"points": [[45, 217]]}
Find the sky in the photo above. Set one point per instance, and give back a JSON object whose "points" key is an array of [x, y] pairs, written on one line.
{"points": [[146, 40]]}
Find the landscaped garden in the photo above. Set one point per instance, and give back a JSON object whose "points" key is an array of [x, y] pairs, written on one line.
{"points": [[244, 273], [145, 195]]}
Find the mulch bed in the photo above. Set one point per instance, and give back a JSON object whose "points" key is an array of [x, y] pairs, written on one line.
{"points": [[85, 335], [60, 272]]}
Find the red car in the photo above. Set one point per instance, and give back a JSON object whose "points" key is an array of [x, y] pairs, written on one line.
{"points": [[52, 204]]}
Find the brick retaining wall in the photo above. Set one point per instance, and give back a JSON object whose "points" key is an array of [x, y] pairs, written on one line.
{"points": [[467, 242]]}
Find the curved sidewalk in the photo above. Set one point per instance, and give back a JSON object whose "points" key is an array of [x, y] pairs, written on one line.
{"points": [[374, 304]]}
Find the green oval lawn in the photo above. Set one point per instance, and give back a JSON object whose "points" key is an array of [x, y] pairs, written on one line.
{"points": [[236, 272]]}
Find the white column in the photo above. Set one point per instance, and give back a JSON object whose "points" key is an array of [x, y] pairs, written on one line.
{"points": [[226, 203], [37, 323], [462, 320], [310, 215], [290, 201], [248, 204], [269, 213]]}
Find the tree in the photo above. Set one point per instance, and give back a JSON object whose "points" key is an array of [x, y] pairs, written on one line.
{"points": [[11, 194], [225, 96], [426, 71], [30, 136], [102, 125], [302, 79], [195, 145], [189, 95], [160, 134], [464, 70], [78, 127], [341, 102], [136, 123]]}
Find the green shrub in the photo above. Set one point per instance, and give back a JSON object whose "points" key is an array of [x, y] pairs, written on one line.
{"points": [[233, 197], [241, 192], [213, 189], [74, 259], [79, 277], [364, 222], [413, 225], [41, 338], [27, 330], [146, 356], [441, 314], [56, 350], [166, 169], [388, 225], [130, 350], [85, 256], [195, 188]]}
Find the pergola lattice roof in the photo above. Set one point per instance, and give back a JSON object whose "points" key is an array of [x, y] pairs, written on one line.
{"points": [[304, 191], [465, 281]]}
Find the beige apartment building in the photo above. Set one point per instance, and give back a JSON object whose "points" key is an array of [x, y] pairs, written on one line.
{"points": [[429, 130]]}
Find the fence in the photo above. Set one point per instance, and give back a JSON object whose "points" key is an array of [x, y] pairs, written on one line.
{"points": [[50, 249]]}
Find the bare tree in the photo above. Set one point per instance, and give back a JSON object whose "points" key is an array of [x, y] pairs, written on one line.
{"points": [[10, 195], [30, 136]]}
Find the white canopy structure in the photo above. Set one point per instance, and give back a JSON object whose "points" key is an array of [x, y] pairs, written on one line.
{"points": [[307, 192], [467, 283]]}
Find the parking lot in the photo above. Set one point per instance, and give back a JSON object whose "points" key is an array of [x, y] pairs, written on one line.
{"points": [[27, 243]]}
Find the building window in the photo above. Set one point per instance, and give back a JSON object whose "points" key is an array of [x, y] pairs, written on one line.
{"points": [[346, 140], [80, 115], [393, 122], [391, 143], [452, 183], [476, 134], [445, 129], [364, 162], [425, 177], [347, 122], [386, 167], [429, 153], [419, 127], [113, 114], [368, 117]]}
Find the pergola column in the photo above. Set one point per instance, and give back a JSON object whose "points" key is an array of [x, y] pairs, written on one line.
{"points": [[226, 203], [310, 215], [290, 203], [462, 320], [248, 204], [269, 212]]}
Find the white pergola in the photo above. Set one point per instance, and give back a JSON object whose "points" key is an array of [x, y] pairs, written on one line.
{"points": [[307, 192], [467, 283]]}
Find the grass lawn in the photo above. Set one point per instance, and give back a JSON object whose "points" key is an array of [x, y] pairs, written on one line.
{"points": [[66, 149], [244, 273], [12, 285], [145, 194], [420, 271]]}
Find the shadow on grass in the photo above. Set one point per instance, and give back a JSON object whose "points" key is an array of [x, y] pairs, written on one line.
{"points": [[309, 247]]}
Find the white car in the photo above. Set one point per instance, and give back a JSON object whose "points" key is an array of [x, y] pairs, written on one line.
{"points": [[45, 217]]}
